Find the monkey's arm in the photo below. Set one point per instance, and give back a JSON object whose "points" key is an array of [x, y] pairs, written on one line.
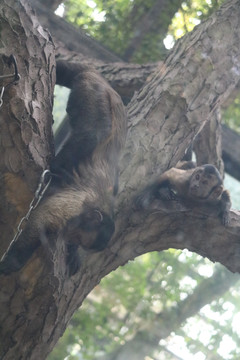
{"points": [[165, 186], [18, 254], [225, 207]]}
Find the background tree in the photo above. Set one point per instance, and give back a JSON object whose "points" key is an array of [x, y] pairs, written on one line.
{"points": [[164, 116]]}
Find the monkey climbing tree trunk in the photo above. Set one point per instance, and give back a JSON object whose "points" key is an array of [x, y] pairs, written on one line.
{"points": [[164, 116]]}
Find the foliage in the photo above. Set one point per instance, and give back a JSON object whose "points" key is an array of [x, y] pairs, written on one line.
{"points": [[115, 23], [231, 115], [59, 110], [106, 20], [133, 297], [191, 13]]}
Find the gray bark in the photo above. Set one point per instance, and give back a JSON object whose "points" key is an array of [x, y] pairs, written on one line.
{"points": [[26, 114]]}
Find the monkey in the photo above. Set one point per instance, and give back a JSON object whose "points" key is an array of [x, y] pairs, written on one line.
{"points": [[79, 203], [101, 131], [193, 185]]}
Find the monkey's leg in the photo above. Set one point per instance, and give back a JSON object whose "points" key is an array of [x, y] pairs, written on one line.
{"points": [[18, 255], [225, 207]]}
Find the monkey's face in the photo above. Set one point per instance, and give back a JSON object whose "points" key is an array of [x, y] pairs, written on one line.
{"points": [[205, 184], [92, 230]]}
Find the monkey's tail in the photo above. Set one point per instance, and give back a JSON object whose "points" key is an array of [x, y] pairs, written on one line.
{"points": [[67, 71]]}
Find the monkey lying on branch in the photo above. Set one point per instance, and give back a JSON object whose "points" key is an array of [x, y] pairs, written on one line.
{"points": [[79, 203], [193, 185]]}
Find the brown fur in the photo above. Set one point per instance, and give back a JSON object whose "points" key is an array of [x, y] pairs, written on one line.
{"points": [[200, 185], [98, 120], [79, 203]]}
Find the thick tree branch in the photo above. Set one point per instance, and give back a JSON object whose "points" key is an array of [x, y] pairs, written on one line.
{"points": [[74, 39], [26, 113], [124, 78], [175, 104], [164, 117], [129, 78]]}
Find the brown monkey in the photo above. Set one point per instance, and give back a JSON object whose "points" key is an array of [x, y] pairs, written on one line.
{"points": [[202, 184], [97, 120], [79, 203]]}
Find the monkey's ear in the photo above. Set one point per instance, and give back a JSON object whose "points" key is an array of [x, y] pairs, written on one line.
{"points": [[217, 192]]}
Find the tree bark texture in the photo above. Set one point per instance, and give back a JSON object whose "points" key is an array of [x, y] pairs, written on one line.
{"points": [[175, 104], [26, 114], [128, 78], [164, 116]]}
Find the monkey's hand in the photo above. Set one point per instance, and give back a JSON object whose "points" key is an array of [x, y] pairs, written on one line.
{"points": [[225, 218], [145, 198], [10, 263], [225, 206], [166, 193], [155, 192], [17, 256], [73, 259]]}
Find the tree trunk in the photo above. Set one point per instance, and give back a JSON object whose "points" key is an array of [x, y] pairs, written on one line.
{"points": [[164, 116], [26, 113]]}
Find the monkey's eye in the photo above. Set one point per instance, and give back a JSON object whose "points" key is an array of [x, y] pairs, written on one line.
{"points": [[99, 215], [197, 177], [205, 182]]}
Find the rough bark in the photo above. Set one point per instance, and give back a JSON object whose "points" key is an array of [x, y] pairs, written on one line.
{"points": [[26, 114], [176, 103], [38, 301], [128, 78]]}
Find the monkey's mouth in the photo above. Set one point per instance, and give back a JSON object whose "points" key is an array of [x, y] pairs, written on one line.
{"points": [[194, 192]]}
